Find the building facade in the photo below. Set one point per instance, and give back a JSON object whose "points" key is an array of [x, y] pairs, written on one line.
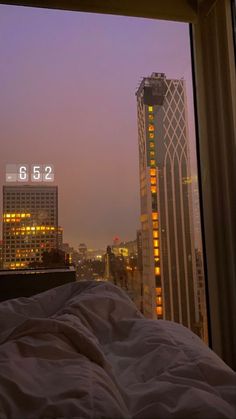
{"points": [[169, 269], [30, 224]]}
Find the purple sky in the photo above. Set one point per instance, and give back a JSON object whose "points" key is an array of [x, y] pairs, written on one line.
{"points": [[67, 88]]}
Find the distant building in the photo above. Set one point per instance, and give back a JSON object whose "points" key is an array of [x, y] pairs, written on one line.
{"points": [[125, 249], [95, 254], [30, 224], [60, 237], [169, 271], [82, 249]]}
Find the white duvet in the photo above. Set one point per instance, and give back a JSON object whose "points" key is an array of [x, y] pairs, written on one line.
{"points": [[83, 350]]}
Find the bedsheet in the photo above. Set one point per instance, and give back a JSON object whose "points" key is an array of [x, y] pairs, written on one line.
{"points": [[83, 350]]}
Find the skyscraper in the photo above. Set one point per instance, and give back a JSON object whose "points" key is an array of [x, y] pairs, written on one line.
{"points": [[169, 271], [30, 223]]}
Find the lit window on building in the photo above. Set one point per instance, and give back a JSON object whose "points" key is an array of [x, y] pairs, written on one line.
{"points": [[156, 252], [151, 127], [157, 270], [155, 216], [155, 243], [159, 301], [159, 311]]}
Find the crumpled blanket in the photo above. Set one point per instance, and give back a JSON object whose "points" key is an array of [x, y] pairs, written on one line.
{"points": [[83, 350]]}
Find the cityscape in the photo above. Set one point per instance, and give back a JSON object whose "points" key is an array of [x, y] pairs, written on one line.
{"points": [[161, 268]]}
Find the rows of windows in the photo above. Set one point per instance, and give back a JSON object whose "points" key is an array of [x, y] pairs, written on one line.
{"points": [[151, 155]]}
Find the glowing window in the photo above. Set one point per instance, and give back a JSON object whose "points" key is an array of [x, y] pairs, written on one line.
{"points": [[150, 117], [159, 311], [153, 180], [156, 243], [156, 252], [151, 135], [155, 234], [154, 215], [158, 291], [153, 189], [152, 153], [152, 162], [151, 144], [155, 224], [153, 172], [157, 270], [151, 127], [159, 301]]}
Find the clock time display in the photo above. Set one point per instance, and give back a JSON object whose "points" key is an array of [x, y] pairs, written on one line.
{"points": [[34, 173]]}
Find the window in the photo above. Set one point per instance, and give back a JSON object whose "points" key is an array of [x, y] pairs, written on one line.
{"points": [[151, 109]]}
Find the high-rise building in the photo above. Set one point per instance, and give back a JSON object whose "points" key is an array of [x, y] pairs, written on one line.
{"points": [[30, 224], [169, 270]]}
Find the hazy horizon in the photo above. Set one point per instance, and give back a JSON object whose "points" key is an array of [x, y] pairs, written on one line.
{"points": [[68, 83]]}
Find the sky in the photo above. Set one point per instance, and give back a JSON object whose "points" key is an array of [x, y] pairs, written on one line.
{"points": [[67, 97]]}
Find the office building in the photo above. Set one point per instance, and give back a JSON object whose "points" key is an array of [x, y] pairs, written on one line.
{"points": [[169, 269], [30, 224]]}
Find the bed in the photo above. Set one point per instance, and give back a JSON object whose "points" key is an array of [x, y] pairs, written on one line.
{"points": [[83, 350]]}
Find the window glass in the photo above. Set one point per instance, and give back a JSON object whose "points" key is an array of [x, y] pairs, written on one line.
{"points": [[92, 133]]}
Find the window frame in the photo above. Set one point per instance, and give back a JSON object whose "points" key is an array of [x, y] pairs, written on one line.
{"points": [[217, 165]]}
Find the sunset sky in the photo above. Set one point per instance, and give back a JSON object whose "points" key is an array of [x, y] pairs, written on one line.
{"points": [[67, 97]]}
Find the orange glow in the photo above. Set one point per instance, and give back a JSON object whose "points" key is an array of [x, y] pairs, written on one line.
{"points": [[156, 252], [19, 215], [151, 144], [155, 224], [155, 243], [150, 117], [159, 311], [153, 172], [150, 127], [154, 215], [153, 180], [153, 189], [155, 234], [157, 270], [158, 291], [152, 162], [159, 301]]}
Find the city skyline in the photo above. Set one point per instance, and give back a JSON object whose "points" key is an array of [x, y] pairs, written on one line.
{"points": [[68, 82]]}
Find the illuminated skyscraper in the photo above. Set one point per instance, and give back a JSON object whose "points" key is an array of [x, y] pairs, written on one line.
{"points": [[30, 223], [169, 277]]}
